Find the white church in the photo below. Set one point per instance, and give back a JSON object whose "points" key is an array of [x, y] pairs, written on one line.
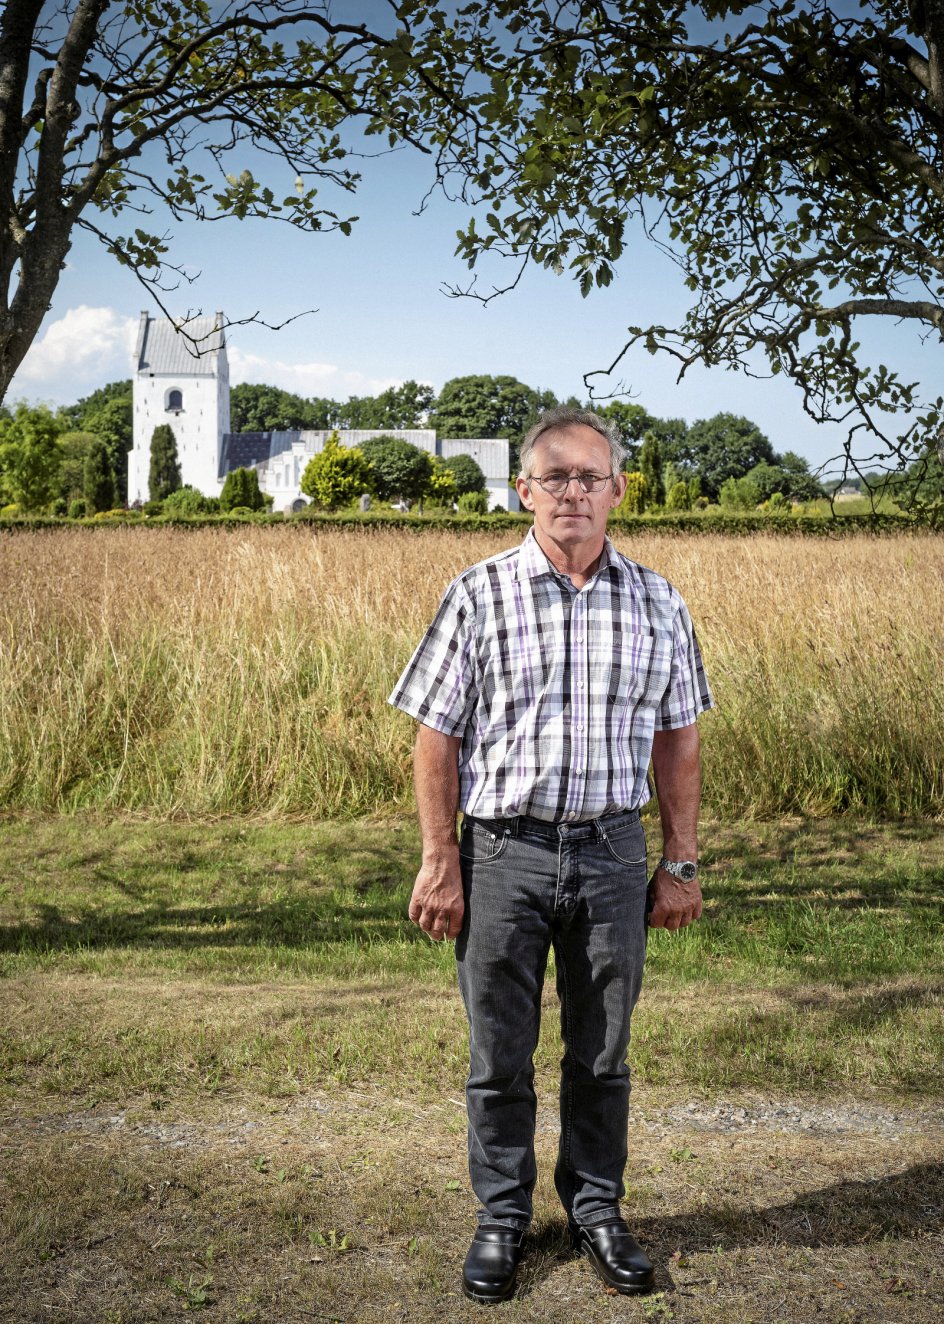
{"points": [[183, 380]]}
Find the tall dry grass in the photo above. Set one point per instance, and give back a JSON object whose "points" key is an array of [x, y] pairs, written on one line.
{"points": [[232, 671]]}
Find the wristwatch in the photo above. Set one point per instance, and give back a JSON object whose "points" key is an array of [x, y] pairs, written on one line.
{"points": [[686, 871]]}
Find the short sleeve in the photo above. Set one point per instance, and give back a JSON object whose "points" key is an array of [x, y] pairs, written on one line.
{"points": [[687, 693], [437, 686]]}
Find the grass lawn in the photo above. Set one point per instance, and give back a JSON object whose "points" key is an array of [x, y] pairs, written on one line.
{"points": [[232, 1082]]}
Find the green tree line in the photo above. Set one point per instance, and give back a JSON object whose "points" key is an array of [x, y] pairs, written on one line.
{"points": [[74, 460]]}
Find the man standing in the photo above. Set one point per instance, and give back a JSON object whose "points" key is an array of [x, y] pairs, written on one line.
{"points": [[549, 677]]}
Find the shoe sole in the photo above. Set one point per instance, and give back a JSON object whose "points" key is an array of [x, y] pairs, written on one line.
{"points": [[481, 1300]]}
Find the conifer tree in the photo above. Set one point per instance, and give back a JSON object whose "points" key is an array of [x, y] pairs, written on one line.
{"points": [[98, 478], [650, 464], [164, 473]]}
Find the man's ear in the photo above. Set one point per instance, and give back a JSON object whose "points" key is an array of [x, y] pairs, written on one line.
{"points": [[524, 493], [619, 490]]}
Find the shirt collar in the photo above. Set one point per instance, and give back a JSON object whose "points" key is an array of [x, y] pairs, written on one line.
{"points": [[532, 561]]}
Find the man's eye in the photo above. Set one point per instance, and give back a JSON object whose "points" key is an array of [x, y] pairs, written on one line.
{"points": [[555, 478]]}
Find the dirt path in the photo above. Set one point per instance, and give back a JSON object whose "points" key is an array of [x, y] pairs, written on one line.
{"points": [[354, 1206]]}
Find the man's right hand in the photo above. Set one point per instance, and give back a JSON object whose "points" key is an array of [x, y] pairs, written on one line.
{"points": [[437, 904]]}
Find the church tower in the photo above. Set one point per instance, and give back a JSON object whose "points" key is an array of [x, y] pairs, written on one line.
{"points": [[183, 381]]}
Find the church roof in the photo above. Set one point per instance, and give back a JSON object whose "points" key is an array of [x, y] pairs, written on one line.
{"points": [[244, 450], [164, 351]]}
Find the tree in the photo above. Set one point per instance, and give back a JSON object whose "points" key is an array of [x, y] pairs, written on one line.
{"points": [[108, 413], [255, 408], [789, 155], [404, 406], [801, 485], [73, 448], [738, 494], [634, 498], [441, 489], [650, 466], [482, 406], [241, 491], [337, 476], [400, 470], [29, 457], [725, 446], [467, 474], [164, 472], [108, 110], [98, 478], [677, 498]]}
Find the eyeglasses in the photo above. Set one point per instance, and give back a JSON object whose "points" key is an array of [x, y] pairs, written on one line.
{"points": [[556, 484]]}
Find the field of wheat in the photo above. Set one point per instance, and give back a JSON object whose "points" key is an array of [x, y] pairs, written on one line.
{"points": [[245, 671]]}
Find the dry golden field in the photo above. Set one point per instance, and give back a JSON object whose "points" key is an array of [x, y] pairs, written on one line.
{"points": [[246, 670]]}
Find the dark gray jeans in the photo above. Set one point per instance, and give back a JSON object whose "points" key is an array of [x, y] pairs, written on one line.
{"points": [[582, 888]]}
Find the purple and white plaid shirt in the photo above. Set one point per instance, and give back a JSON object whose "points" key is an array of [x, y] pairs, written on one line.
{"points": [[555, 692]]}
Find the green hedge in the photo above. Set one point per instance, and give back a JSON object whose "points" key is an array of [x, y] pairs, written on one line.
{"points": [[681, 522]]}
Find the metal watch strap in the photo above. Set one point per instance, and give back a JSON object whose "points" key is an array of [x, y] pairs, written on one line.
{"points": [[686, 871]]}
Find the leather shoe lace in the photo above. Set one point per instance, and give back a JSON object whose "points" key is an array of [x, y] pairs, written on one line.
{"points": [[491, 1265], [616, 1255]]}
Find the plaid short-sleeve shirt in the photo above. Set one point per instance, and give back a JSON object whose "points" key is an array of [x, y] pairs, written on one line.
{"points": [[554, 691]]}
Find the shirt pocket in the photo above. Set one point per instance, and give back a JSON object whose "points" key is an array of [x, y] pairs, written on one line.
{"points": [[638, 669]]}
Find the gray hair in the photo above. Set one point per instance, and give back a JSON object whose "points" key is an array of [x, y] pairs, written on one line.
{"points": [[564, 416]]}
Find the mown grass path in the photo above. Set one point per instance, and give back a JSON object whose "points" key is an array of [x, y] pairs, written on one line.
{"points": [[232, 1082]]}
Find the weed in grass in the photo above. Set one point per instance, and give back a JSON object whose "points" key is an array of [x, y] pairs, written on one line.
{"points": [[194, 1294]]}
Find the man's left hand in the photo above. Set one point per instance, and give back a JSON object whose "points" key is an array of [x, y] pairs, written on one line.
{"points": [[674, 904]]}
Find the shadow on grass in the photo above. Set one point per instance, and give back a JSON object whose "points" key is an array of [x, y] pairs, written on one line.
{"points": [[294, 923], [899, 1207]]}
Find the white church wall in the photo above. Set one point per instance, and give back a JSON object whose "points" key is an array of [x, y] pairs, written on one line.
{"points": [[190, 393]]}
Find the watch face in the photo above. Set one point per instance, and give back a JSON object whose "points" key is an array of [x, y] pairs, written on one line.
{"points": [[688, 872]]}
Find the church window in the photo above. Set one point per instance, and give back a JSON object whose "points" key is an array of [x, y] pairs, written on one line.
{"points": [[175, 401]]}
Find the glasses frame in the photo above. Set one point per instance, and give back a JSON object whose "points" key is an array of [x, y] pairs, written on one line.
{"points": [[540, 479]]}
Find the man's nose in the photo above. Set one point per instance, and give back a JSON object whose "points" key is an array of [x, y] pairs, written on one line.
{"points": [[574, 478]]}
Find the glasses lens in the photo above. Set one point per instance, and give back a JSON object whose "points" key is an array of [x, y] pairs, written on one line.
{"points": [[557, 483]]}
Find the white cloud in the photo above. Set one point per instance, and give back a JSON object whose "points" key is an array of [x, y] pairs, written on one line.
{"points": [[305, 379], [80, 351]]}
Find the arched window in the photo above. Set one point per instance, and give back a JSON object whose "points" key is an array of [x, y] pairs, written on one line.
{"points": [[175, 401]]}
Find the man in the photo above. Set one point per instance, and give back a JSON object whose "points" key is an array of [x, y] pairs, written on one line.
{"points": [[551, 674]]}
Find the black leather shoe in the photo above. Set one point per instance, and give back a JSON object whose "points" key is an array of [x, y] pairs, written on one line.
{"points": [[491, 1265], [616, 1255]]}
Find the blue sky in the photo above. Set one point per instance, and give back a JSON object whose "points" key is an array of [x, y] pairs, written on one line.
{"points": [[382, 316]]}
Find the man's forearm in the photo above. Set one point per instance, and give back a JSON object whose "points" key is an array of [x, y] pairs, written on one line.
{"points": [[676, 766], [437, 904], [436, 778]]}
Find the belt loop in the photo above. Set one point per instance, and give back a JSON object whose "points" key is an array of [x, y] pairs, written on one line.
{"points": [[599, 829], [512, 825]]}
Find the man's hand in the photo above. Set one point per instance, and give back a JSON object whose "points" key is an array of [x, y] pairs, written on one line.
{"points": [[674, 904], [437, 904]]}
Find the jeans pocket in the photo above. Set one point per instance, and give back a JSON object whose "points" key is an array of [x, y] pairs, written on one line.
{"points": [[481, 844], [628, 848]]}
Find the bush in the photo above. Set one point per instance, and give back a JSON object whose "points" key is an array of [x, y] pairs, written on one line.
{"points": [[9, 512], [241, 490], [473, 503], [153, 508], [60, 507], [185, 501], [77, 508], [337, 476]]}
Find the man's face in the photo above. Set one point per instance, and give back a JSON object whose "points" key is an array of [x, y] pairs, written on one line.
{"points": [[576, 517]]}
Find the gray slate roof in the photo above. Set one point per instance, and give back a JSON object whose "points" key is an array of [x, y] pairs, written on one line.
{"points": [[165, 352]]}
